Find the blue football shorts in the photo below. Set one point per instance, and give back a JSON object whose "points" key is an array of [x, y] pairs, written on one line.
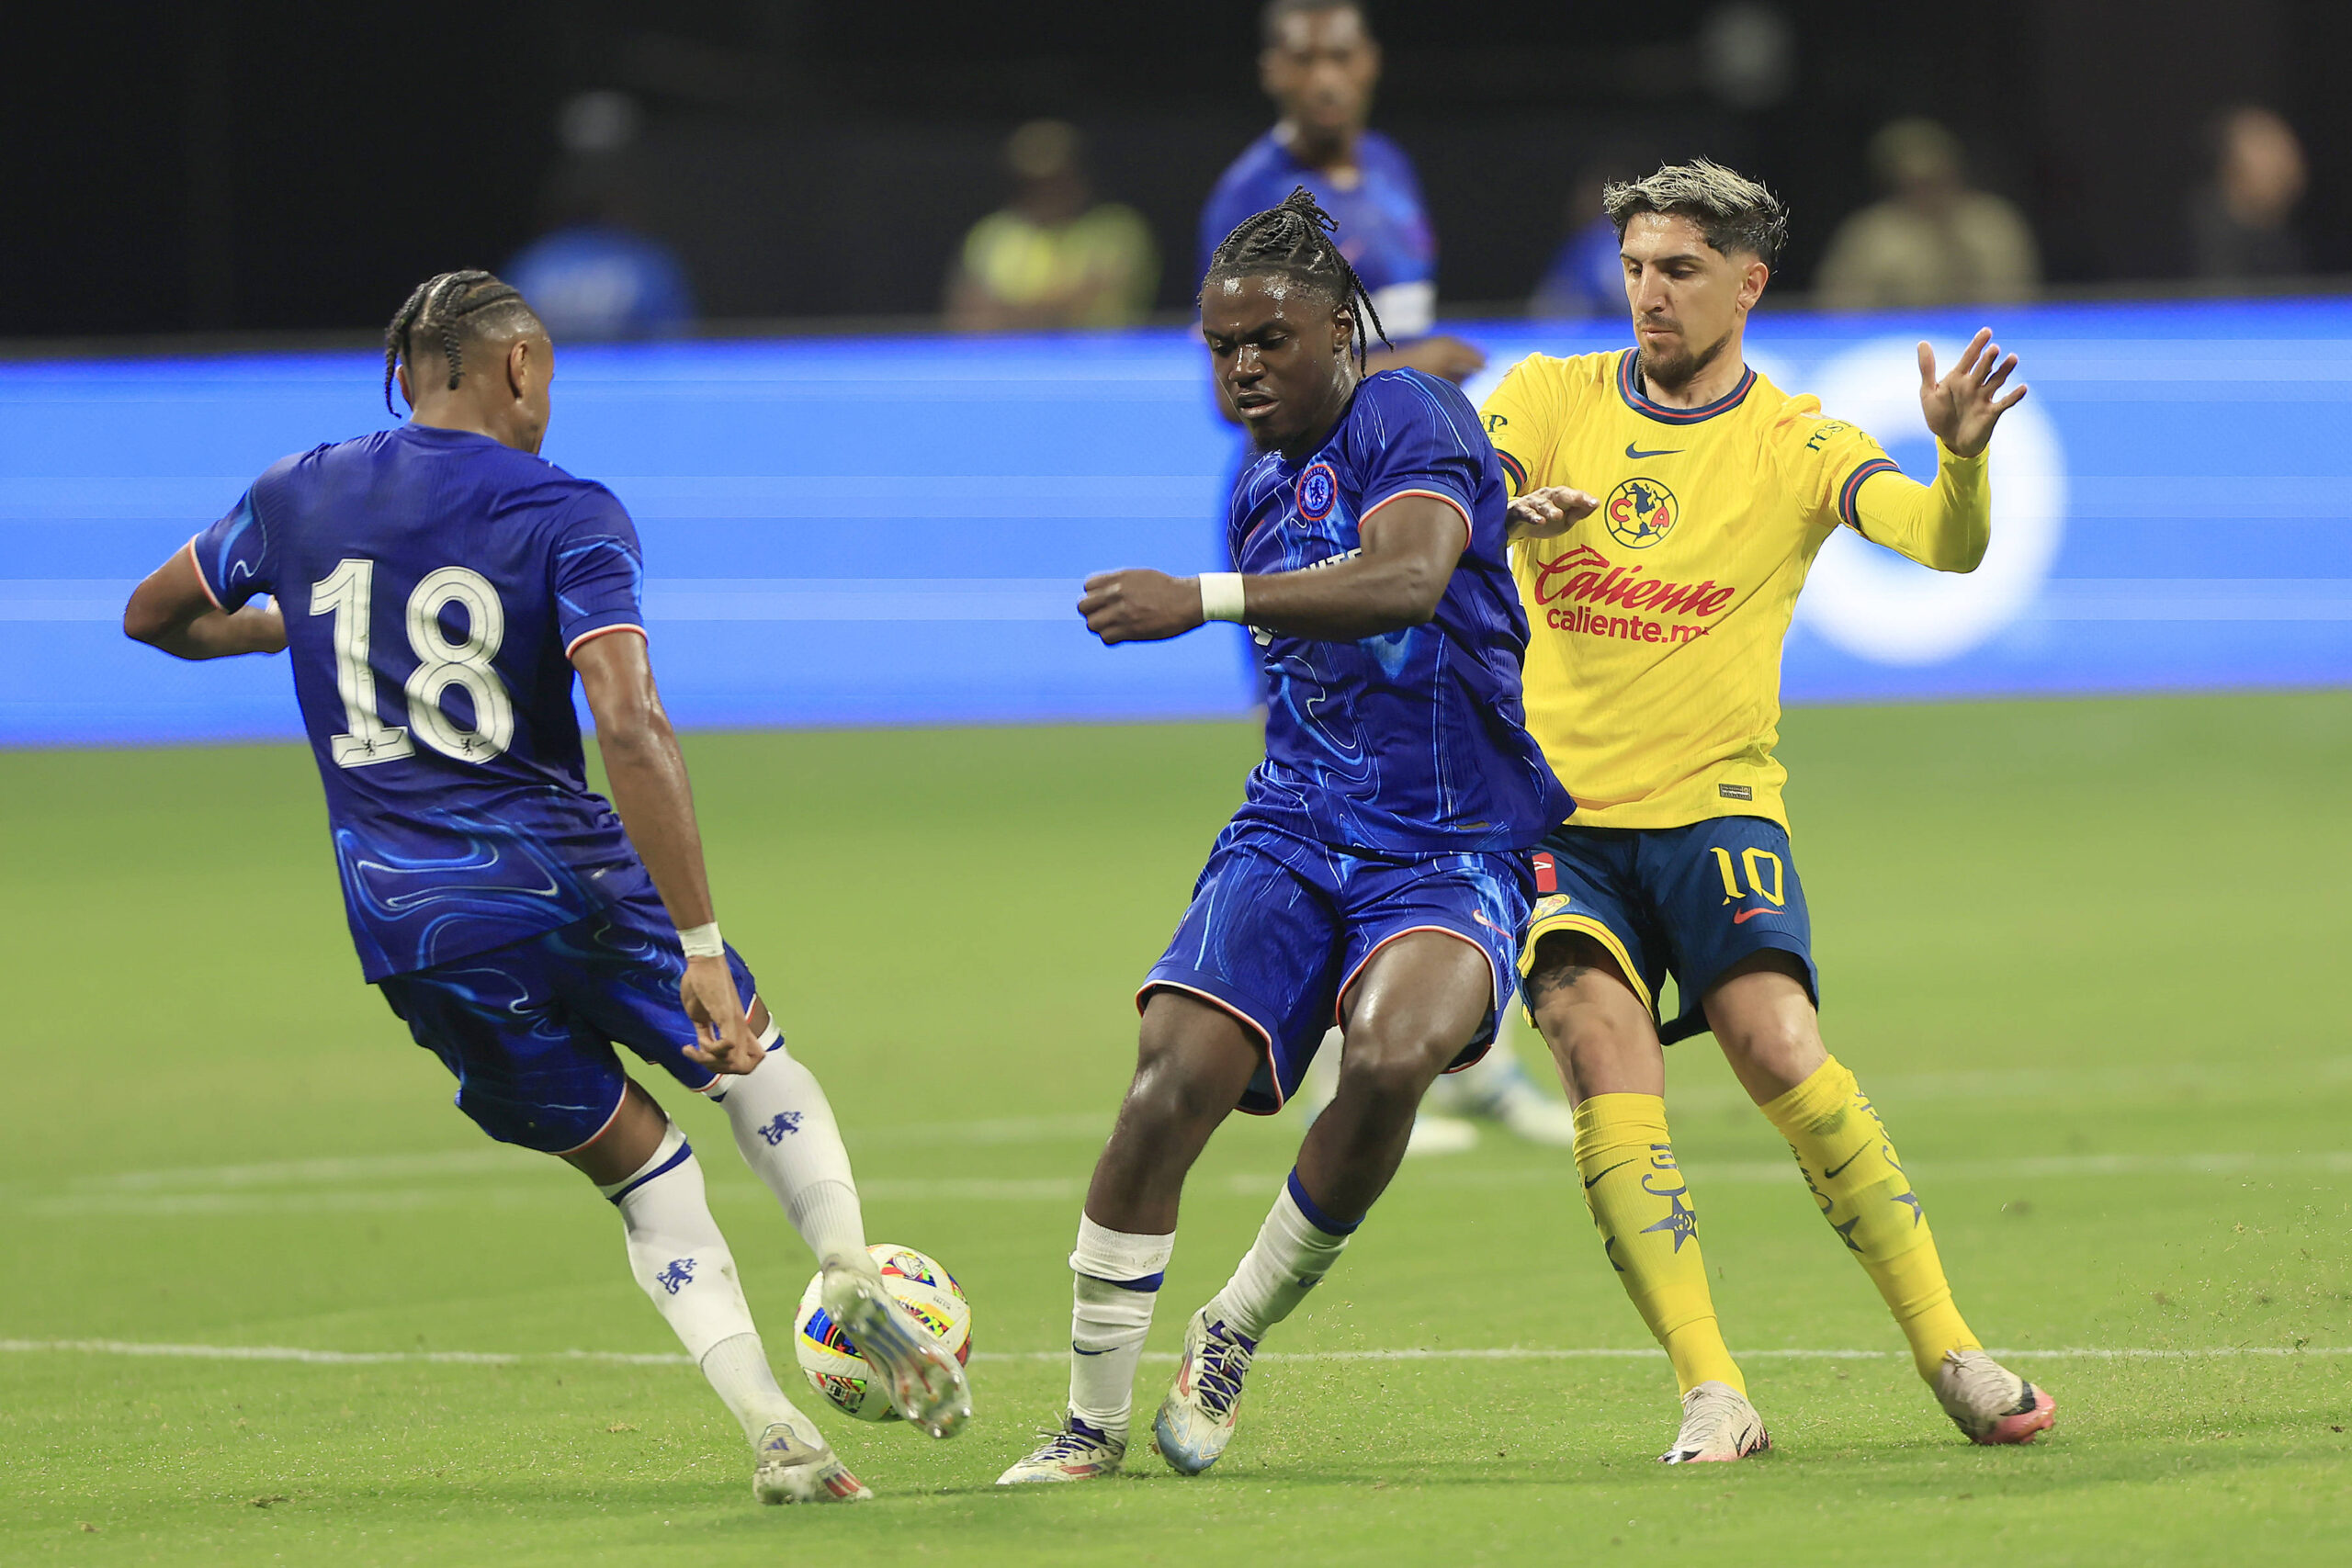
{"points": [[1281, 926], [1687, 901], [530, 1028]]}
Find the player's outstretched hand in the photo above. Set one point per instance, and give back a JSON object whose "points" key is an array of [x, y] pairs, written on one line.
{"points": [[1963, 407], [723, 1040], [1140, 605], [1548, 513]]}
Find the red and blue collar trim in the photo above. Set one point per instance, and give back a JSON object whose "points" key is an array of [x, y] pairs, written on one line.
{"points": [[1640, 403]]}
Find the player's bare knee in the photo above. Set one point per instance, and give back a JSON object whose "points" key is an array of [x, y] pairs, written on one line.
{"points": [[1167, 1095], [1183, 1076], [1785, 1048], [1392, 1067]]}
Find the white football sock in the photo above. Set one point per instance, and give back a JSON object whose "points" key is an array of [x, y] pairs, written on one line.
{"points": [[784, 1127], [738, 1368], [1291, 1256], [676, 1250], [1118, 1277]]}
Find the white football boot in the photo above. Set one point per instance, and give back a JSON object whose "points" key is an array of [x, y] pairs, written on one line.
{"points": [[1196, 1419], [792, 1469], [1497, 1089], [1990, 1403], [1074, 1451], [927, 1385], [1718, 1425]]}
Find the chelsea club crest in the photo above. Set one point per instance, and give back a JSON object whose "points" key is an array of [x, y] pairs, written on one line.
{"points": [[1318, 489]]}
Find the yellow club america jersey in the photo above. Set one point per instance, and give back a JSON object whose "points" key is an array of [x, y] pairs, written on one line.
{"points": [[1653, 677]]}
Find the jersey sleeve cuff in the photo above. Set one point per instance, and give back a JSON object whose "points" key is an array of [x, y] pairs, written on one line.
{"points": [[203, 581], [1469, 530], [1849, 494], [592, 632], [1515, 468]]}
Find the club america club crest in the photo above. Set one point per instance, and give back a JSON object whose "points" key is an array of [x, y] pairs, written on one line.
{"points": [[1640, 512], [1317, 489]]}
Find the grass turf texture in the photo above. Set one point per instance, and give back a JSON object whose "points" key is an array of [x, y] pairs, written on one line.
{"points": [[2070, 948]]}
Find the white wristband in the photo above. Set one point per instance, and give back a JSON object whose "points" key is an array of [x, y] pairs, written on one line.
{"points": [[1221, 596], [701, 941]]}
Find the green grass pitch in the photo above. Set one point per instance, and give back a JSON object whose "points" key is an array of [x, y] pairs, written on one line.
{"points": [[2085, 956]]}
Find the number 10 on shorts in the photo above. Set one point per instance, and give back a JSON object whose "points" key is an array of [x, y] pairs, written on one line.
{"points": [[1772, 889]]}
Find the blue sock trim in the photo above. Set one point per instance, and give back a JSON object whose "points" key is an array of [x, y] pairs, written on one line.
{"points": [[1147, 1282], [1314, 1216], [686, 1152]]}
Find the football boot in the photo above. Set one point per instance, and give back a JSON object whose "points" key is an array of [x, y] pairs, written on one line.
{"points": [[1990, 1403], [1718, 1425]]}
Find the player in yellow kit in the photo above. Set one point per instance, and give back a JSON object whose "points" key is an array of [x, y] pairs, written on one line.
{"points": [[1670, 501]]}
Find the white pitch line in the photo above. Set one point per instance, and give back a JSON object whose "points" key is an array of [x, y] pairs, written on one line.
{"points": [[1506, 1353]]}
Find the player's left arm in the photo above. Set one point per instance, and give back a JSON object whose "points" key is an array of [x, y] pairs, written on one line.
{"points": [[1946, 525], [656, 802], [1410, 545], [596, 580], [174, 610]]}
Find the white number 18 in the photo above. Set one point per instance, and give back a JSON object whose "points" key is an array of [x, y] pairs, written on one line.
{"points": [[346, 593]]}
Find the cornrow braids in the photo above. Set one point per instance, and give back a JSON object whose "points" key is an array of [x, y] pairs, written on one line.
{"points": [[452, 307], [1293, 240]]}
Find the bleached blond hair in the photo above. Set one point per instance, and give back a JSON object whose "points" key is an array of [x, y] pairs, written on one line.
{"points": [[1733, 211]]}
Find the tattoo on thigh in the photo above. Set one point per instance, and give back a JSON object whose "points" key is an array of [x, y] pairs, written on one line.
{"points": [[1542, 983]]}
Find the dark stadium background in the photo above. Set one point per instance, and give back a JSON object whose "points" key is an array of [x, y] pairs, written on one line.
{"points": [[233, 168]]}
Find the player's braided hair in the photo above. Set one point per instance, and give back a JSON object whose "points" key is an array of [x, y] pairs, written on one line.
{"points": [[1293, 240], [449, 308]]}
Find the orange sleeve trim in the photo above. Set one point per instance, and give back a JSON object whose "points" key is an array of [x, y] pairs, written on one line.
{"points": [[197, 561], [591, 634], [1463, 511]]}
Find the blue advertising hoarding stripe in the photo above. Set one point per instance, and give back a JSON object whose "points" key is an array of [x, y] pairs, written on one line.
{"points": [[892, 531]]}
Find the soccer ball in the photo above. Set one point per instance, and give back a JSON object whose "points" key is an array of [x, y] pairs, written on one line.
{"points": [[831, 1363]]}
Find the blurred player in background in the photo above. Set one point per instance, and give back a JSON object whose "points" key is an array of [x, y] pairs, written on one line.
{"points": [[1671, 500], [596, 273], [1376, 872], [1320, 64], [1585, 276], [449, 584]]}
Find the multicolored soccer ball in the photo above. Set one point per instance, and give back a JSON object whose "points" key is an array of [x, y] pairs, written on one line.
{"points": [[831, 1363]]}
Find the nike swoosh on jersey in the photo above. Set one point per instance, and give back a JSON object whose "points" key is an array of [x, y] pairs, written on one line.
{"points": [[1619, 1166], [1661, 452], [1746, 915]]}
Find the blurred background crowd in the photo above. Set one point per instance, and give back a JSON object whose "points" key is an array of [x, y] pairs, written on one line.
{"points": [[715, 165]]}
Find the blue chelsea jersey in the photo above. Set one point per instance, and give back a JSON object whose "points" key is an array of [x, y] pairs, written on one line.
{"points": [[434, 584], [1413, 742]]}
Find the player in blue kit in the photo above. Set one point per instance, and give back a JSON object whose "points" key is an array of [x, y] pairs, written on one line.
{"points": [[1319, 62], [447, 583], [1377, 873]]}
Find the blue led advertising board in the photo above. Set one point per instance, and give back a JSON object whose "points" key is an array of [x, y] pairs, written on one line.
{"points": [[893, 530]]}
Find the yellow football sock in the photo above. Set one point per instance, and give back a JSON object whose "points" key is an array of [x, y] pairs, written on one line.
{"points": [[1857, 1177], [1650, 1231]]}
